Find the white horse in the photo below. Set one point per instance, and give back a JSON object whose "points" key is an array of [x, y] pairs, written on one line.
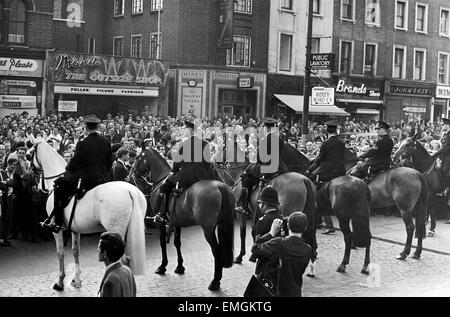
{"points": [[116, 206]]}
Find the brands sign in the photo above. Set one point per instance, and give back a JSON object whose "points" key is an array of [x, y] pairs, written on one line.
{"points": [[226, 10], [322, 61], [359, 89], [109, 70], [322, 96], [12, 66]]}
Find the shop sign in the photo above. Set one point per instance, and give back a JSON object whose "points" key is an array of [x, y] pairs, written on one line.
{"points": [[246, 82], [191, 100], [27, 83], [106, 91], [67, 105], [357, 89], [322, 96], [13, 66], [258, 78], [443, 92], [321, 61], [406, 90], [415, 110], [15, 101], [109, 70]]}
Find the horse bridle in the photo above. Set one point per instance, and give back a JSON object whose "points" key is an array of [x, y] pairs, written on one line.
{"points": [[153, 186], [38, 169]]}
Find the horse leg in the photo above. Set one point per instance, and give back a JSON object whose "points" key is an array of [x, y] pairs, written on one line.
{"points": [[215, 283], [59, 285], [177, 243], [418, 251], [163, 243], [365, 269], [243, 229], [409, 224], [76, 282], [432, 214], [344, 224]]}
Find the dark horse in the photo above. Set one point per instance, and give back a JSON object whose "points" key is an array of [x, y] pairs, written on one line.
{"points": [[295, 193], [426, 164], [207, 203]]}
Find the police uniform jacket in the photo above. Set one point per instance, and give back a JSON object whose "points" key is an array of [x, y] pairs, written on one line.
{"points": [[330, 159], [295, 256], [92, 161], [379, 157], [444, 152], [193, 162], [263, 224], [265, 147]]}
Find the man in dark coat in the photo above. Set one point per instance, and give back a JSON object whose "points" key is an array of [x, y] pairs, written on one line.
{"points": [[378, 158], [269, 163], [191, 163], [293, 253], [330, 160], [91, 162], [444, 154], [119, 170]]}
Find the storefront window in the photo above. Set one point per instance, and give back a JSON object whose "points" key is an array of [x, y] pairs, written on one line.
{"points": [[17, 22]]}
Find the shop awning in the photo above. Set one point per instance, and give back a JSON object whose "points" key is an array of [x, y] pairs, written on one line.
{"points": [[295, 102]]}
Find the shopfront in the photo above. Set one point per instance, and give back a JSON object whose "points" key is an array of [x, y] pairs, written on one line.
{"points": [[440, 105], [103, 84], [362, 98], [409, 101], [20, 85]]}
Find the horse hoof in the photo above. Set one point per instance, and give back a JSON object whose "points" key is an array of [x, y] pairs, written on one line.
{"points": [[161, 270], [214, 286], [75, 284], [365, 271], [341, 269], [416, 257], [179, 270], [431, 233], [238, 260], [56, 287], [401, 257]]}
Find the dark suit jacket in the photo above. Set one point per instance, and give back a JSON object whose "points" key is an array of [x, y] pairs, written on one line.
{"points": [[295, 255], [118, 281], [330, 160], [119, 171], [92, 161], [380, 155], [444, 152]]}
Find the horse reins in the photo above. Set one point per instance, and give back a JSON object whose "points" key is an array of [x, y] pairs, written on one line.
{"points": [[39, 170]]}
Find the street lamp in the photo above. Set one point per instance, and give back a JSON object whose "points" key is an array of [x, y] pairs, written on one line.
{"points": [[307, 85]]}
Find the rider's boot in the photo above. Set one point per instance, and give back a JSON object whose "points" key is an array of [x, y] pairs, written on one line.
{"points": [[242, 202], [161, 206], [54, 224]]}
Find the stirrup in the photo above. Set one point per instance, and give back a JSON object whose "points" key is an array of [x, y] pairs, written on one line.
{"points": [[52, 227]]}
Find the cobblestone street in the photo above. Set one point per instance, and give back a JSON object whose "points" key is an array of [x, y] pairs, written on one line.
{"points": [[429, 276]]}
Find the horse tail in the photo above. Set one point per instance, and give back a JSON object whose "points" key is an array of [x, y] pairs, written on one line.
{"points": [[225, 228], [360, 220], [420, 209], [135, 237], [310, 211]]}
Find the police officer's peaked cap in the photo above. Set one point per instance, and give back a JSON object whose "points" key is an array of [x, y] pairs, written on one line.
{"points": [[446, 121], [91, 118], [189, 124], [332, 124], [269, 196], [383, 125], [270, 122], [298, 222]]}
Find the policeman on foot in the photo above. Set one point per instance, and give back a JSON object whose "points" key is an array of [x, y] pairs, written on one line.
{"points": [[444, 155]]}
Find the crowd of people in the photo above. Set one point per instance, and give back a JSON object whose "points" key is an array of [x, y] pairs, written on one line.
{"points": [[22, 202]]}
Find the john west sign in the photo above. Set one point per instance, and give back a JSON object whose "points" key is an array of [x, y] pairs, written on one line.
{"points": [[106, 70]]}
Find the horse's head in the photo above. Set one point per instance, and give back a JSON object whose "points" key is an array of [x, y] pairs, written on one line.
{"points": [[150, 161], [142, 165], [406, 148]]}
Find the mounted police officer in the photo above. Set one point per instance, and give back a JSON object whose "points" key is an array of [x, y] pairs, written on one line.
{"points": [[378, 159], [444, 155], [91, 162], [192, 163], [329, 163], [269, 163]]}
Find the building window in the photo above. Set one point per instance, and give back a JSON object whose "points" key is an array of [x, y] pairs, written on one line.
{"points": [[444, 25], [346, 57], [157, 5], [138, 7], [155, 47], [399, 70], [372, 12], [316, 7], [136, 45], [119, 8], [91, 46], [285, 52], [443, 68], [370, 59], [16, 30], [118, 46], [243, 6], [315, 45], [401, 15], [240, 54], [286, 4], [421, 18], [1, 22], [347, 9], [420, 60]]}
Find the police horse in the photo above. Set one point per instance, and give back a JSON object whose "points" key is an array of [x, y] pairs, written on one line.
{"points": [[116, 206], [425, 164], [207, 203]]}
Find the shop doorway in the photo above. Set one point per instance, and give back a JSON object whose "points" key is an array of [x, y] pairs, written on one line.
{"points": [[239, 103]]}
